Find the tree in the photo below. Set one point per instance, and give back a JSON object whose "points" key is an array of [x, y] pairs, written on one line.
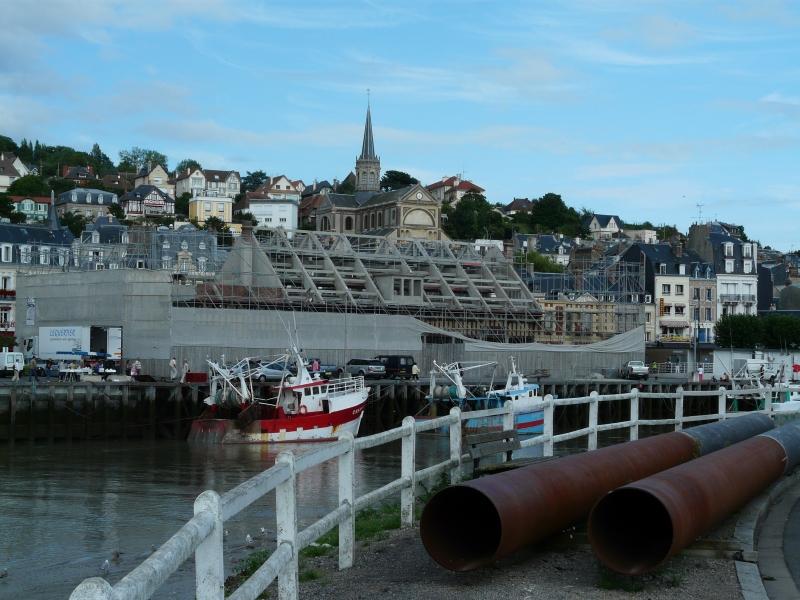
{"points": [[116, 211], [136, 158], [30, 185], [100, 161], [550, 214], [7, 210], [394, 180], [59, 185], [8, 145], [187, 163], [542, 263], [246, 218], [253, 180], [224, 237], [182, 204], [74, 222], [473, 218]]}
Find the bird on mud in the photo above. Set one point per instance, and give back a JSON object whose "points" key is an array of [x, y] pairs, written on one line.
{"points": [[3, 573], [248, 540], [105, 567]]}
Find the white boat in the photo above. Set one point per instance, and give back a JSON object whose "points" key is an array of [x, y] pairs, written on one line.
{"points": [[305, 407]]}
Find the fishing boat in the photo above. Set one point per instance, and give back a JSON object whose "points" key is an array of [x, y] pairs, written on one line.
{"points": [[305, 408], [528, 413]]}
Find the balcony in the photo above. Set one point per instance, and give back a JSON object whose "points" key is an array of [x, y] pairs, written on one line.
{"points": [[730, 298], [748, 298], [8, 294]]}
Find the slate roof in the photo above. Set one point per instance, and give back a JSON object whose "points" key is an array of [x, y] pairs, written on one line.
{"points": [[35, 234], [108, 227], [316, 187], [518, 204], [81, 193], [343, 200], [210, 174], [7, 167], [382, 197], [603, 220], [78, 172]]}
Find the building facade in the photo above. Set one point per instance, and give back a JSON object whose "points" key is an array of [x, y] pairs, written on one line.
{"points": [[205, 207], [452, 189], [156, 176], [87, 202], [603, 227], [35, 208], [146, 201], [208, 183], [703, 302]]}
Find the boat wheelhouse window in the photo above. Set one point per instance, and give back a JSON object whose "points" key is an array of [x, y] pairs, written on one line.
{"points": [[316, 390], [307, 391]]}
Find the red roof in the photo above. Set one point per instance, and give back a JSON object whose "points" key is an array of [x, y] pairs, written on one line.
{"points": [[464, 185], [37, 199]]}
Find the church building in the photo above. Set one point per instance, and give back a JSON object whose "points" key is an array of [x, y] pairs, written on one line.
{"points": [[409, 212]]}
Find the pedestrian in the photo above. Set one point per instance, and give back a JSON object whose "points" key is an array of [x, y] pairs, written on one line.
{"points": [[700, 374], [173, 369], [136, 368], [33, 375], [415, 372], [315, 365], [17, 367], [185, 370]]}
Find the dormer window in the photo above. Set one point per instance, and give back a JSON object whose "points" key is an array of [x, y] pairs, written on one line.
{"points": [[95, 237], [662, 269], [201, 245], [729, 249], [681, 269], [165, 245], [99, 198], [184, 245], [74, 197], [748, 250]]}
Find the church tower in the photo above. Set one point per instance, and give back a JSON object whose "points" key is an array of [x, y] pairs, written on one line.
{"points": [[368, 165]]}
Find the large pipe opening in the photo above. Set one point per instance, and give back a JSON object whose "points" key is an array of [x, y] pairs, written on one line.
{"points": [[630, 531], [460, 528]]}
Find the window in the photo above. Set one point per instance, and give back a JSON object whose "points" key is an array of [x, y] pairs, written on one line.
{"points": [[679, 309], [696, 314], [208, 206], [201, 264], [748, 266], [666, 289], [184, 245], [662, 269], [220, 207], [44, 255], [679, 289], [728, 249], [25, 254], [165, 245], [202, 245], [708, 314], [695, 293], [283, 219], [348, 223], [681, 269], [166, 262], [709, 294], [62, 258], [647, 317], [748, 250], [6, 253], [99, 198], [729, 266]]}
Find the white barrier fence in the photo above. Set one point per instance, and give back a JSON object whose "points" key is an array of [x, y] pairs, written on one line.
{"points": [[202, 534]]}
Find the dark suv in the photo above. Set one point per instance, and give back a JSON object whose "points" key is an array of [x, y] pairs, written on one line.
{"points": [[397, 366]]}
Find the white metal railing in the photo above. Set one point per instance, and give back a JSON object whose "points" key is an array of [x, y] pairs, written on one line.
{"points": [[345, 386], [202, 534]]}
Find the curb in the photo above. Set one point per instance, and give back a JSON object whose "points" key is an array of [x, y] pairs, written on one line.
{"points": [[747, 527]]}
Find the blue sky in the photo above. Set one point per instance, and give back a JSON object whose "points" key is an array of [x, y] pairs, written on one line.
{"points": [[642, 109]]}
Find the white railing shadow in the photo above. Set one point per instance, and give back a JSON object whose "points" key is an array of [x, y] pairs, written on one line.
{"points": [[202, 534]]}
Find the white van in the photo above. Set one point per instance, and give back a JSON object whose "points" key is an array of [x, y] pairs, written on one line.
{"points": [[7, 361]]}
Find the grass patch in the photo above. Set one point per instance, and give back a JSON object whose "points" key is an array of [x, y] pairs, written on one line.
{"points": [[251, 564], [309, 575]]}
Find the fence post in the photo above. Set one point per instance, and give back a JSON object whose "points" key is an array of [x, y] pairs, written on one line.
{"points": [[209, 567], [768, 395], [455, 445], [347, 494], [547, 427], [508, 416], [286, 517], [592, 445], [407, 470], [721, 404], [94, 588], [679, 408], [634, 416]]}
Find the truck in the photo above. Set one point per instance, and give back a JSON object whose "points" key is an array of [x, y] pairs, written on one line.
{"points": [[7, 361], [635, 369], [74, 342]]}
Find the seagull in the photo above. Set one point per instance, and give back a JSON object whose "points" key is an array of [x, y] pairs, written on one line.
{"points": [[105, 567], [249, 541], [263, 531], [225, 533], [3, 573]]}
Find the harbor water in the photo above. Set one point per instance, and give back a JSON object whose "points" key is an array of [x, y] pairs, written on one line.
{"points": [[65, 509]]}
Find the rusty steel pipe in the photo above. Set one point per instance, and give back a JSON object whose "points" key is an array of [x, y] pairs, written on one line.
{"points": [[477, 522], [637, 527]]}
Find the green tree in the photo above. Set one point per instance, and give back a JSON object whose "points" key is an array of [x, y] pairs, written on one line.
{"points": [[541, 263], [187, 163], [474, 218], [246, 218], [252, 180], [182, 204], [30, 185], [8, 145], [346, 186], [116, 211], [7, 210], [550, 214], [74, 222], [135, 158], [100, 161], [59, 185], [224, 237], [739, 331], [394, 180]]}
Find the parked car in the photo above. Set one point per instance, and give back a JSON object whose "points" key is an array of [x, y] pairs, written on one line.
{"points": [[397, 366], [366, 367], [324, 368], [272, 371], [635, 369]]}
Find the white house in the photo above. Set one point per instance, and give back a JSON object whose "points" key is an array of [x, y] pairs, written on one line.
{"points": [[603, 227], [11, 169], [208, 183]]}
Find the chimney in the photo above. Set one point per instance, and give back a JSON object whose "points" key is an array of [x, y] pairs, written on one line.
{"points": [[677, 249]]}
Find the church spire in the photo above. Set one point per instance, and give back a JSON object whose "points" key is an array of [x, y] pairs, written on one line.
{"points": [[368, 145]]}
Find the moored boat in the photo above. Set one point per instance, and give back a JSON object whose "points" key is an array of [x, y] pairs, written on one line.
{"points": [[305, 408]]}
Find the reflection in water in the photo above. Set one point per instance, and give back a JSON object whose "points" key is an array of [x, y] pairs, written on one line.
{"points": [[66, 509]]}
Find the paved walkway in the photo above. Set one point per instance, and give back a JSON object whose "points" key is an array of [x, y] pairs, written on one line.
{"points": [[779, 547]]}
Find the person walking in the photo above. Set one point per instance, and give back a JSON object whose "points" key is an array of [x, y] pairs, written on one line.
{"points": [[17, 368], [173, 369], [415, 372], [185, 370], [33, 375]]}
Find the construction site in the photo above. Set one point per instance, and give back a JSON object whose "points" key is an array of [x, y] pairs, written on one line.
{"points": [[196, 294]]}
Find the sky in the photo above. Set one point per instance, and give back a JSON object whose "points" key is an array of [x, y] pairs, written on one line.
{"points": [[642, 109]]}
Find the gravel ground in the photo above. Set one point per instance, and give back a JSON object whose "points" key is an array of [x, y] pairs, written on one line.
{"points": [[399, 567]]}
